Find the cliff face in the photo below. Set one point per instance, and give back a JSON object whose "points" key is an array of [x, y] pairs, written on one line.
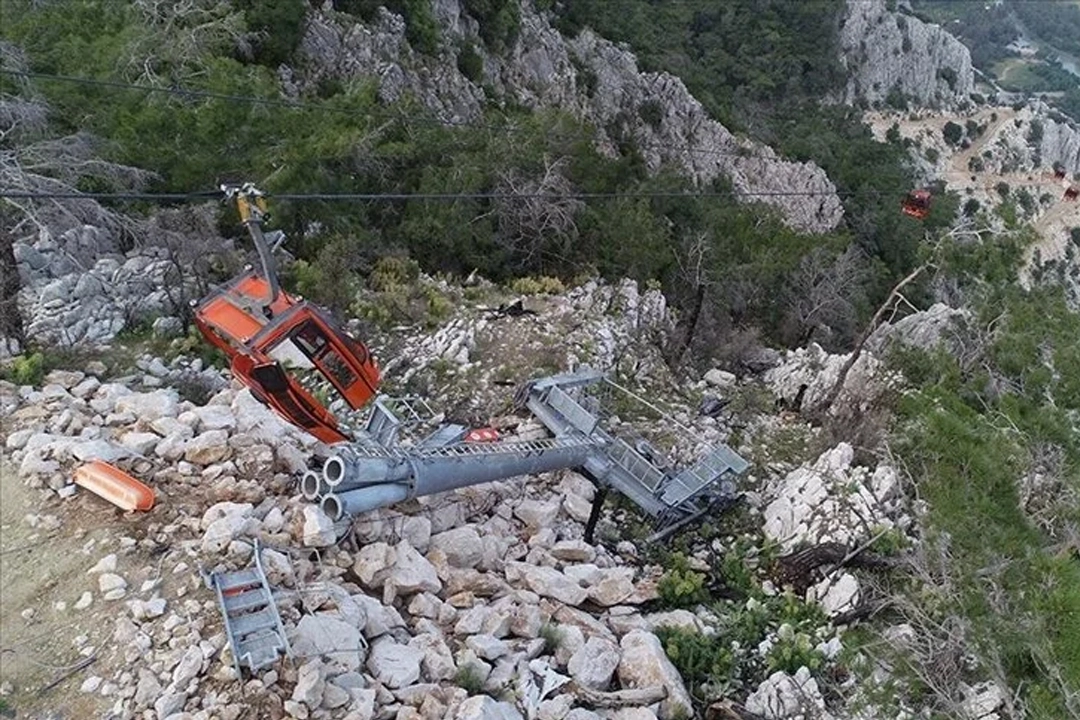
{"points": [[587, 76], [886, 51]]}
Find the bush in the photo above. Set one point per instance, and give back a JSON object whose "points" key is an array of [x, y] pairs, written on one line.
{"points": [[542, 285], [681, 586], [932, 154], [552, 635], [27, 369], [971, 207], [949, 76], [278, 26], [469, 679], [652, 112], [392, 272], [952, 133], [1002, 189], [1035, 133], [470, 64], [499, 20]]}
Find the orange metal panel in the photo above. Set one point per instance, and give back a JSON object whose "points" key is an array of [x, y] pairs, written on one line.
{"points": [[229, 320], [114, 485]]}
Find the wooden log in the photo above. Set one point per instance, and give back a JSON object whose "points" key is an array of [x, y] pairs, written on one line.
{"points": [[629, 697]]}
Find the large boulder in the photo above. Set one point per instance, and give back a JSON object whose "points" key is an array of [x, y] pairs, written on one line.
{"points": [[547, 582], [462, 546], [594, 663], [644, 664], [394, 665], [325, 634], [484, 707], [410, 573]]}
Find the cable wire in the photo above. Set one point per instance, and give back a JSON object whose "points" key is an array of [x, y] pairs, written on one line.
{"points": [[398, 197]]}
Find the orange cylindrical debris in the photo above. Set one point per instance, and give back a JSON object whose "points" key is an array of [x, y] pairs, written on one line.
{"points": [[114, 485]]}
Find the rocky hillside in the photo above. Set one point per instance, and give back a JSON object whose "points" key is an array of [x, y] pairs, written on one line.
{"points": [[587, 76], [892, 53], [482, 603]]}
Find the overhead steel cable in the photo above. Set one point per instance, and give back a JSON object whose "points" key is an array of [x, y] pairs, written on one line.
{"points": [[398, 197], [323, 107]]}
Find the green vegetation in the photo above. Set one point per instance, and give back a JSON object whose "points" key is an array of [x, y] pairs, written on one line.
{"points": [[552, 635], [1056, 23], [681, 586], [25, 369], [981, 424], [733, 658], [470, 679]]}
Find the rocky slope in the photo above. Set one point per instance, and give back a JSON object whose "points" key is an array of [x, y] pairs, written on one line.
{"points": [[587, 76], [885, 52], [484, 603]]}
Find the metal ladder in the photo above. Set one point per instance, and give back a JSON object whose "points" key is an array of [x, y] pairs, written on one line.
{"points": [[252, 623]]}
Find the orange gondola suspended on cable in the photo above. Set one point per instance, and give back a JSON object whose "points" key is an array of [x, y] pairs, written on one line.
{"points": [[917, 204], [263, 330]]}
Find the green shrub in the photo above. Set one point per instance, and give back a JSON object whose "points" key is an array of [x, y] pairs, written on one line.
{"points": [[392, 272], [278, 26], [949, 76], [700, 659], [499, 20], [681, 586], [542, 285], [552, 636], [469, 679], [652, 112], [793, 650], [470, 63], [952, 133], [27, 369]]}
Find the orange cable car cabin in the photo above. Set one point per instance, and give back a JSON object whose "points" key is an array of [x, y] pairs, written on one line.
{"points": [[261, 328], [917, 204]]}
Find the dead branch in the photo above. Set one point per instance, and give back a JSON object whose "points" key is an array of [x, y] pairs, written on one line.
{"points": [[630, 697], [834, 391]]}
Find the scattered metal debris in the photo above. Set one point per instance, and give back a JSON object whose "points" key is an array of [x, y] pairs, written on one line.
{"points": [[252, 623]]}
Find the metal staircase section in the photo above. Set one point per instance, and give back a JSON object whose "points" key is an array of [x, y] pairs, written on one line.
{"points": [[252, 623], [719, 463], [563, 405]]}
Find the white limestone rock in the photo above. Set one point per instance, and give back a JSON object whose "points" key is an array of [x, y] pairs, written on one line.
{"points": [[410, 573], [785, 697], [394, 665], [547, 582], [643, 664], [593, 664], [462, 546], [318, 528], [329, 635]]}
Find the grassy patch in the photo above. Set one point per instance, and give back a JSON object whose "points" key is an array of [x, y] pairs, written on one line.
{"points": [[969, 436]]}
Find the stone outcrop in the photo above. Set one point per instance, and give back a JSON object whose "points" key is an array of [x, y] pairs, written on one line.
{"points": [[587, 76], [887, 52]]}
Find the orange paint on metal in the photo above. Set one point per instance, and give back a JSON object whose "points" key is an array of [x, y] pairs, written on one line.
{"points": [[482, 435], [114, 485], [230, 320]]}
